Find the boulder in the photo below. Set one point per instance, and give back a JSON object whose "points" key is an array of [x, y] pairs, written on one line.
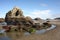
{"points": [[14, 15], [30, 20]]}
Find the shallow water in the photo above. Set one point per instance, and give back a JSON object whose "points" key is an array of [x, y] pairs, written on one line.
{"points": [[41, 31], [5, 38], [16, 35]]}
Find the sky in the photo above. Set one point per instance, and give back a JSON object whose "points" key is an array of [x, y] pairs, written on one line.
{"points": [[34, 8]]}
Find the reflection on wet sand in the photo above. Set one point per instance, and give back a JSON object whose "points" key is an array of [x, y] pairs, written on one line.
{"points": [[19, 35], [15, 35]]}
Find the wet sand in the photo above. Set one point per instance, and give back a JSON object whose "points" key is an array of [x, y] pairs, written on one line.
{"points": [[50, 35]]}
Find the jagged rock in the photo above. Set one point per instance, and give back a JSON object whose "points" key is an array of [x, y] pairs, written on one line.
{"points": [[30, 20], [46, 25], [38, 20], [14, 15]]}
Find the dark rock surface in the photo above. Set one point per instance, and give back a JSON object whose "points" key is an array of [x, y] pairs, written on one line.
{"points": [[16, 17]]}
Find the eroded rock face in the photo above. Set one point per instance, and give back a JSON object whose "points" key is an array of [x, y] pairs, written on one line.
{"points": [[14, 15]]}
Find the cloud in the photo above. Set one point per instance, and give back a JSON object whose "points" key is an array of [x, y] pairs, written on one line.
{"points": [[56, 15], [40, 13], [43, 4]]}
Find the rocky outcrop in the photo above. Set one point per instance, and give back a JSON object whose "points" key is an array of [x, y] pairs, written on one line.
{"points": [[38, 20], [2, 19], [14, 15]]}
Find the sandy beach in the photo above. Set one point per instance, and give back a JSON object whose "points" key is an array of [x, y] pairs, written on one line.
{"points": [[50, 35]]}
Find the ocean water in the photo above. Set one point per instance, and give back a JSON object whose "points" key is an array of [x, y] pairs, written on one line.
{"points": [[42, 31]]}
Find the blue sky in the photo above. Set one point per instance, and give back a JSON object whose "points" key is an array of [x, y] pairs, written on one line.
{"points": [[33, 8]]}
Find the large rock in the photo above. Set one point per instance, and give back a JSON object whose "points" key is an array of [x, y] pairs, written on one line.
{"points": [[38, 20], [30, 20], [2, 19], [14, 15]]}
